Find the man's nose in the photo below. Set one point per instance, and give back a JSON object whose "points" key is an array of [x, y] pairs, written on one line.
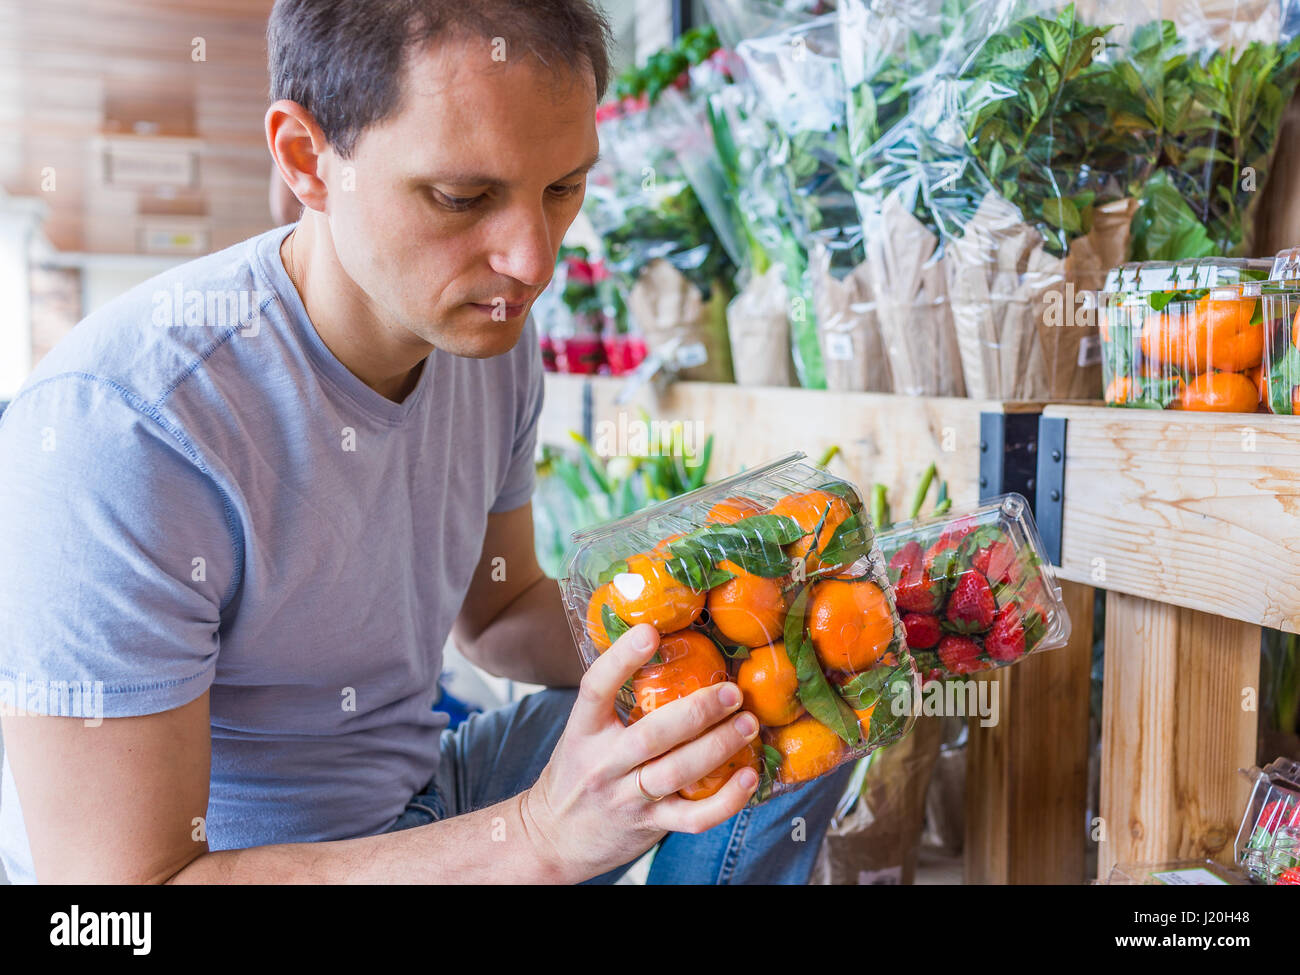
{"points": [[524, 250]]}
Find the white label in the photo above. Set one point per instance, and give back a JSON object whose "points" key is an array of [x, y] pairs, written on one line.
{"points": [[694, 354], [839, 346], [1090, 350], [1196, 877]]}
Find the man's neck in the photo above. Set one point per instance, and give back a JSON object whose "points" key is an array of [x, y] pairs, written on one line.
{"points": [[344, 317]]}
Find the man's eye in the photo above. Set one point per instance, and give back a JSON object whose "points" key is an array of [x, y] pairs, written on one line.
{"points": [[563, 190], [456, 203]]}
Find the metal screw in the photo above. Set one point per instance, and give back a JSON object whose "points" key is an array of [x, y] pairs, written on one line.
{"points": [[1056, 495], [984, 481], [1056, 456], [984, 446]]}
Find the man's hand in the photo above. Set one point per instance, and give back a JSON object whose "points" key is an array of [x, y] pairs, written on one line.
{"points": [[585, 810]]}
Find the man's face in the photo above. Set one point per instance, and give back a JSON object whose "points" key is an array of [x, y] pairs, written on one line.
{"points": [[451, 216]]}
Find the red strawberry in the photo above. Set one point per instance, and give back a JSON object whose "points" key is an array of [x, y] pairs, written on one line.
{"points": [[906, 558], [1289, 877], [1006, 641], [961, 655], [944, 544], [972, 605], [922, 630], [913, 591], [916, 595], [1279, 812], [996, 561]]}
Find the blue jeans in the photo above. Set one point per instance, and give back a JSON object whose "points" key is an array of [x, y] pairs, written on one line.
{"points": [[498, 754]]}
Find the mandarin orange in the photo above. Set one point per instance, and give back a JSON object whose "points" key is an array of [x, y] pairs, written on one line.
{"points": [[770, 685]]}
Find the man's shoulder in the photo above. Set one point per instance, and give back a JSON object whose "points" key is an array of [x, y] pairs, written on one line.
{"points": [[150, 338]]}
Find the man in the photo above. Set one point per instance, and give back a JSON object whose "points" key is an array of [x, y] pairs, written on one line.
{"points": [[253, 532]]}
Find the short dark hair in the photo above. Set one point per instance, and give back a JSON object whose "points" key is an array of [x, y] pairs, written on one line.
{"points": [[344, 60]]}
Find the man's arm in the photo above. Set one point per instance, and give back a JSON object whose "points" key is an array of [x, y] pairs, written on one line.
{"points": [[512, 623], [139, 789]]}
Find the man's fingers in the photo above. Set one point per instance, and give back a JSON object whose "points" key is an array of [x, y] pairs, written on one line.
{"points": [[682, 720], [692, 761], [601, 683], [678, 815]]}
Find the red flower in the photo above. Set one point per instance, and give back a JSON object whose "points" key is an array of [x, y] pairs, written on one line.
{"points": [[580, 271]]}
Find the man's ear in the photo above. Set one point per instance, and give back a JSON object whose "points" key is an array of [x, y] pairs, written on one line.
{"points": [[297, 144]]}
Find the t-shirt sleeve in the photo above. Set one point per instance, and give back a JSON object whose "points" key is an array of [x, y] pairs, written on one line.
{"points": [[117, 554], [518, 488]]}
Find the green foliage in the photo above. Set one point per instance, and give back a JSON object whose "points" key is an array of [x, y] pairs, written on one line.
{"points": [[579, 491], [1198, 134]]}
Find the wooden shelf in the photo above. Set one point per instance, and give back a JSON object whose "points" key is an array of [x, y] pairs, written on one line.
{"points": [[882, 437], [1198, 510]]}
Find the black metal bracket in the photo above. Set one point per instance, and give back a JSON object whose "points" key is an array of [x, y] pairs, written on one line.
{"points": [[1008, 455], [1049, 507], [683, 17]]}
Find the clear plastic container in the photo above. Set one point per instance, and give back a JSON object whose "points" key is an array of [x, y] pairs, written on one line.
{"points": [[1268, 843], [1178, 873], [1281, 301], [975, 589], [772, 579], [1185, 334]]}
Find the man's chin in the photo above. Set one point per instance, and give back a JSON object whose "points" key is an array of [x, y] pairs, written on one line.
{"points": [[471, 338]]}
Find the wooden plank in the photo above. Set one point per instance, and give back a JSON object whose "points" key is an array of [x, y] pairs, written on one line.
{"points": [[882, 438], [1176, 726], [1027, 774], [1195, 509], [561, 409]]}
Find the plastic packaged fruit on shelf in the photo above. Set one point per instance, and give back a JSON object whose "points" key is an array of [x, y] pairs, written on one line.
{"points": [[1268, 842], [974, 589], [772, 579], [1187, 335], [1279, 375]]}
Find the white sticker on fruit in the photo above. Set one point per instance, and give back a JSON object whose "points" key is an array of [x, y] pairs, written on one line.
{"points": [[839, 345], [1195, 877], [629, 585]]}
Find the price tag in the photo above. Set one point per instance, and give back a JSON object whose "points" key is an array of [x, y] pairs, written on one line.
{"points": [[1195, 877], [694, 354], [1090, 350], [839, 346]]}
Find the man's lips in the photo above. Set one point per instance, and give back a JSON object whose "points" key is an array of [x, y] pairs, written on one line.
{"points": [[511, 309]]}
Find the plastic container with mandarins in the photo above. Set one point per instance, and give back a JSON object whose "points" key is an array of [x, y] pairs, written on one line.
{"points": [[772, 579], [1195, 335]]}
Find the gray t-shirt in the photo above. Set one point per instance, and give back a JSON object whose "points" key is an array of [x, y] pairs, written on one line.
{"points": [[196, 494]]}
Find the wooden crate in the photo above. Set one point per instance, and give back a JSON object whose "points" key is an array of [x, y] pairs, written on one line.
{"points": [[1191, 521]]}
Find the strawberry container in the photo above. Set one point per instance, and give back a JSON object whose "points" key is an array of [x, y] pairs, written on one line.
{"points": [[1268, 842], [974, 589], [1185, 334], [771, 579]]}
